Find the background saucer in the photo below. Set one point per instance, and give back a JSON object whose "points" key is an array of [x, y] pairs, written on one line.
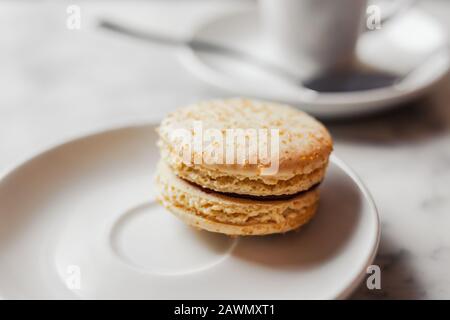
{"points": [[411, 41], [80, 221]]}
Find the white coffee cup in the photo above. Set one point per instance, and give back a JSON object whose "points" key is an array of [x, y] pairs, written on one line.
{"points": [[312, 37]]}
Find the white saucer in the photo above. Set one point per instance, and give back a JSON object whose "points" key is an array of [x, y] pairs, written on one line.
{"points": [[80, 221], [412, 41]]}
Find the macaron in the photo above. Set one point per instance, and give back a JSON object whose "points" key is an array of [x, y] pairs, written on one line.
{"points": [[241, 166]]}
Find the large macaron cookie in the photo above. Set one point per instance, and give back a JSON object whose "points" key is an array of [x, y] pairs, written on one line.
{"points": [[250, 196]]}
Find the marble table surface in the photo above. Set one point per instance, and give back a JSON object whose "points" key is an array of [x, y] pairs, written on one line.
{"points": [[58, 83]]}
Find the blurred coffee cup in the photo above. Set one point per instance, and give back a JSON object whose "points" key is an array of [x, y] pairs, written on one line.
{"points": [[313, 37]]}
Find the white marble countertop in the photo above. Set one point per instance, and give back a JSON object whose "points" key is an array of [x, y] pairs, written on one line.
{"points": [[58, 83]]}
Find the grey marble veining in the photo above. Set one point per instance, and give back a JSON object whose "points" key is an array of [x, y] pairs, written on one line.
{"points": [[403, 157], [58, 83]]}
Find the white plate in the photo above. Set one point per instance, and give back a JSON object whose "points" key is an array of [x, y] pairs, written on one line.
{"points": [[412, 41], [80, 221]]}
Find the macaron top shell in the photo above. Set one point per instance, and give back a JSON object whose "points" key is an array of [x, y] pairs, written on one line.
{"points": [[304, 144]]}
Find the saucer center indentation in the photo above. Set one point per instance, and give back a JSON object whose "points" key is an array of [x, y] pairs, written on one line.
{"points": [[150, 238]]}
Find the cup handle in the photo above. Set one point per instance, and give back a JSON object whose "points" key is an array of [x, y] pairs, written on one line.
{"points": [[374, 9]]}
